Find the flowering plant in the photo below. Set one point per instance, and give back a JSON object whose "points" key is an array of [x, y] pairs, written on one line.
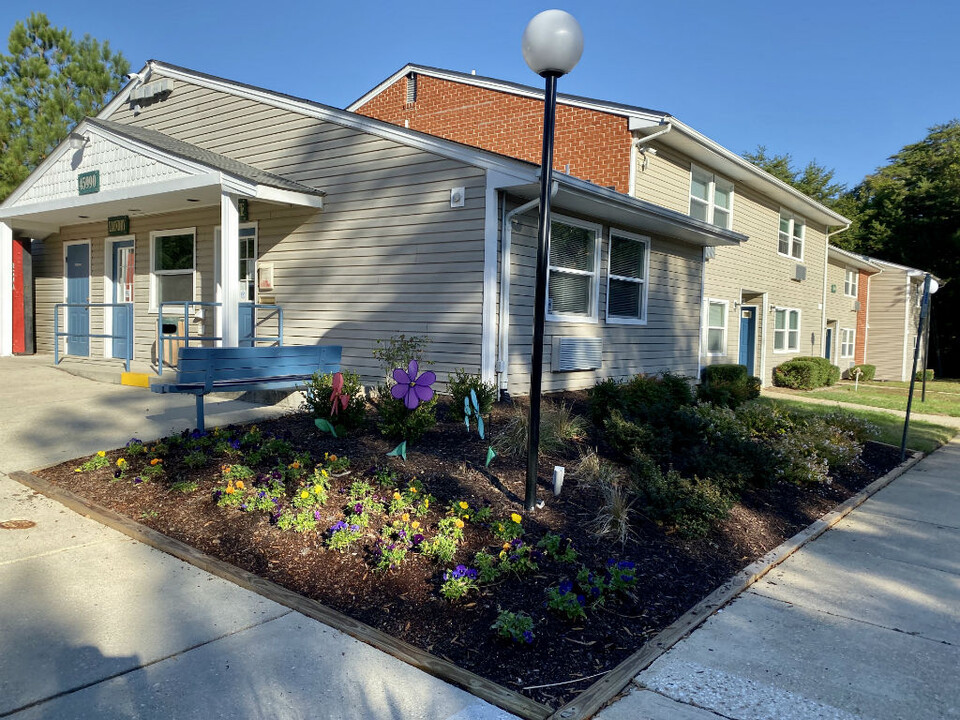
{"points": [[517, 627], [94, 463], [301, 522], [508, 529], [557, 548], [458, 582], [564, 600], [342, 535]]}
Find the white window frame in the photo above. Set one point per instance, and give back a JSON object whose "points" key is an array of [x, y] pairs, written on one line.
{"points": [[707, 327], [154, 234], [850, 278], [848, 339], [792, 221], [592, 315], [712, 179], [786, 329], [643, 282]]}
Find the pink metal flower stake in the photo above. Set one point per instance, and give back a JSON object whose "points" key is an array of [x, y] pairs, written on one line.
{"points": [[411, 389], [339, 399]]}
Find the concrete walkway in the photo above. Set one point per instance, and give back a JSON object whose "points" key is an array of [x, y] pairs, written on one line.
{"points": [[863, 622], [96, 625]]}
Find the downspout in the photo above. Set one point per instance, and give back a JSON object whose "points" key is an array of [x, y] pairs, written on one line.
{"points": [[703, 311], [823, 301], [506, 242], [635, 143]]}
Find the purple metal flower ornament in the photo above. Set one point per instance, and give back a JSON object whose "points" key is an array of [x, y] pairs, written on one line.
{"points": [[411, 389]]}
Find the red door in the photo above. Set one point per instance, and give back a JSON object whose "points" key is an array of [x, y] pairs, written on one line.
{"points": [[19, 331]]}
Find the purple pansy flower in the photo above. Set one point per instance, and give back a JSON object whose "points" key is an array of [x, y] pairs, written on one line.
{"points": [[411, 389]]}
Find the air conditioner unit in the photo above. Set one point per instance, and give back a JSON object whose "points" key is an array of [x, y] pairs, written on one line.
{"points": [[577, 353], [800, 273]]}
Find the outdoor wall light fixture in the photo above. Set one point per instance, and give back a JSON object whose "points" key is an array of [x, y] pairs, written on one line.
{"points": [[552, 45], [76, 141]]}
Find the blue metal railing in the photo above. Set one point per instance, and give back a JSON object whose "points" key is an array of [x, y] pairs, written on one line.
{"points": [[274, 311], [70, 333]]}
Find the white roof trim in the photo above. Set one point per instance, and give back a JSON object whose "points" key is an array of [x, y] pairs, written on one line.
{"points": [[123, 96], [438, 146], [861, 262], [637, 120]]}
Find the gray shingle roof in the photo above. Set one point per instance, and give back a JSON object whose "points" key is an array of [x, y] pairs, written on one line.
{"points": [[185, 150]]}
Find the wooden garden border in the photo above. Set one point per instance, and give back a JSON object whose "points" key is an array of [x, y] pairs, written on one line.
{"points": [[583, 706]]}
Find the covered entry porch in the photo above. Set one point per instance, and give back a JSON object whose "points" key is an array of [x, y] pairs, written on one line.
{"points": [[142, 243]]}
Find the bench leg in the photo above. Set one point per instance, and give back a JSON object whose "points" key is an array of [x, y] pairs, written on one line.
{"points": [[200, 412]]}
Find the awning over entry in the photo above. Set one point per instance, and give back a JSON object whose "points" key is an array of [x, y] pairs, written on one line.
{"points": [[107, 169]]}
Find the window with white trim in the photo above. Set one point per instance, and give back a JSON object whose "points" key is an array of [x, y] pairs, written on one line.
{"points": [[790, 240], [711, 198], [848, 338], [717, 327], [850, 278], [172, 266], [572, 272], [786, 330], [629, 261]]}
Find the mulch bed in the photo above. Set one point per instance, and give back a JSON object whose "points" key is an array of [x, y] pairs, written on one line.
{"points": [[673, 573]]}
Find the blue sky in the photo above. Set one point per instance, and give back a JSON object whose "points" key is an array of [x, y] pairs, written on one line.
{"points": [[847, 82]]}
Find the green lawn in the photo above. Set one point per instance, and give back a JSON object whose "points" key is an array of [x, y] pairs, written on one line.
{"points": [[923, 436], [943, 397]]}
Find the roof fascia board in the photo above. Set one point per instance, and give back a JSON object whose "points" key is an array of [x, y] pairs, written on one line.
{"points": [[861, 262], [828, 216], [287, 197], [122, 97], [499, 86], [436, 146], [166, 186]]}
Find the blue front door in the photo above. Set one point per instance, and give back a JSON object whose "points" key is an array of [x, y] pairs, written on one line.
{"points": [[828, 342], [123, 275], [748, 337], [247, 325], [78, 292]]}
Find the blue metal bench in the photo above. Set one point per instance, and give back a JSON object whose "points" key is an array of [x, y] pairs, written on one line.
{"points": [[206, 370]]}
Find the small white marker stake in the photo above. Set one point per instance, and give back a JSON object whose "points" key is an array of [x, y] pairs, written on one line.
{"points": [[558, 473]]}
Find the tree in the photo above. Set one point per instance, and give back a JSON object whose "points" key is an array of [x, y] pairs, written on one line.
{"points": [[48, 83], [908, 212], [813, 180]]}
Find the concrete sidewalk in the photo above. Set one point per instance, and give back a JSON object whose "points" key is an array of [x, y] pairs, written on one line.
{"points": [[863, 622], [94, 624]]}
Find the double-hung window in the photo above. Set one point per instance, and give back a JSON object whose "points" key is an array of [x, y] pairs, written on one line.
{"points": [[790, 241], [172, 266], [848, 338], [716, 327], [572, 272], [786, 330], [627, 278], [850, 283], [711, 198]]}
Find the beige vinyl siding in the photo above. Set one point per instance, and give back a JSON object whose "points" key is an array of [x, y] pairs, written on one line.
{"points": [[386, 255], [841, 310], [889, 300], [669, 340], [666, 181]]}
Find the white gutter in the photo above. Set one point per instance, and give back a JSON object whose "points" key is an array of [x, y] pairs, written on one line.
{"points": [[634, 146], [823, 302], [503, 360]]}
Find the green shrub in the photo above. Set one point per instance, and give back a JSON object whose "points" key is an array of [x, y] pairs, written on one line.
{"points": [[691, 506], [606, 397], [627, 437], [398, 351], [317, 399], [919, 375], [798, 375], [867, 372], [401, 424], [828, 375], [727, 385], [460, 383], [642, 399]]}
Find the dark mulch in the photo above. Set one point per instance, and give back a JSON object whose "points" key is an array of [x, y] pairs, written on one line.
{"points": [[673, 573]]}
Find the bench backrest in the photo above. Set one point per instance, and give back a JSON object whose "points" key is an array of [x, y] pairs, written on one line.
{"points": [[200, 364]]}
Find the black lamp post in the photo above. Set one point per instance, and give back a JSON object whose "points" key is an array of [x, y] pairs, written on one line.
{"points": [[552, 46]]}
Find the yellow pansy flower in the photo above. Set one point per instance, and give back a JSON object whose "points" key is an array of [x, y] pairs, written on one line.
{"points": [[397, 496], [239, 484], [463, 505], [414, 525], [516, 518], [101, 453], [405, 517], [459, 523], [304, 494]]}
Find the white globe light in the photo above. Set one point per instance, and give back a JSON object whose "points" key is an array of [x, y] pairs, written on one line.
{"points": [[934, 286], [552, 43]]}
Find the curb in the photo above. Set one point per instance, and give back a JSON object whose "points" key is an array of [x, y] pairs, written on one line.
{"points": [[614, 682]]}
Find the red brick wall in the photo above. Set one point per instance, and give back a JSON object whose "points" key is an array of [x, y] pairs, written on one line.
{"points": [[860, 346], [596, 145]]}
